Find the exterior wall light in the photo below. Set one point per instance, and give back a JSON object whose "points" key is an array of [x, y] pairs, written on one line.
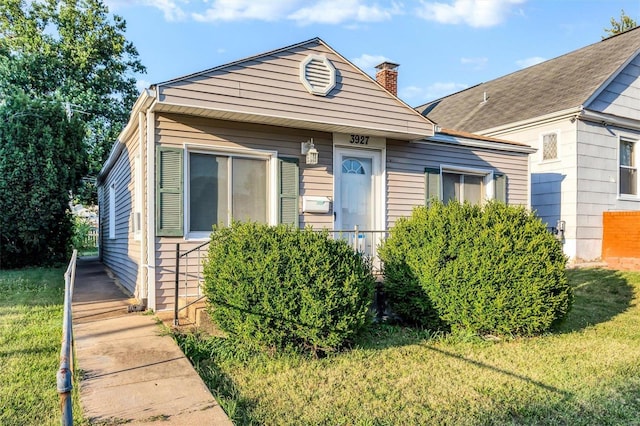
{"points": [[309, 149]]}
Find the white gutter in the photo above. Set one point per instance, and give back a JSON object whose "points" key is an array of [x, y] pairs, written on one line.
{"points": [[440, 138], [608, 119]]}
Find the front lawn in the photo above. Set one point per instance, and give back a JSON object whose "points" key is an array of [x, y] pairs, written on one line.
{"points": [[31, 304], [586, 372]]}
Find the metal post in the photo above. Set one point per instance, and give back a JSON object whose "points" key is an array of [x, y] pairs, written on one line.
{"points": [[64, 376], [175, 303], [355, 238]]}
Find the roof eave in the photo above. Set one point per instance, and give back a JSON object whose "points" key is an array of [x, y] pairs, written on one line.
{"points": [[609, 80], [440, 138], [531, 122], [144, 102], [410, 133]]}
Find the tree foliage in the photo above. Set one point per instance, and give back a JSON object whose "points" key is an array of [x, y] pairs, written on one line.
{"points": [[42, 159], [66, 88], [77, 51], [625, 23]]}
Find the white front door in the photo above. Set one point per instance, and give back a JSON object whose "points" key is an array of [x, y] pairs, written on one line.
{"points": [[358, 194]]}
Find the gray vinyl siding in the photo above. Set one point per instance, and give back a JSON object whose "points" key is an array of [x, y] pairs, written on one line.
{"points": [[122, 253], [270, 86], [177, 130], [597, 189], [622, 96], [406, 163]]}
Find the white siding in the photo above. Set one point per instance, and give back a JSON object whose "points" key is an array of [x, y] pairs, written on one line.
{"points": [[597, 189], [553, 183], [622, 96]]}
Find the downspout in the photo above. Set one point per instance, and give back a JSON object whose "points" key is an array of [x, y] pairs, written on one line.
{"points": [[142, 273], [149, 190]]}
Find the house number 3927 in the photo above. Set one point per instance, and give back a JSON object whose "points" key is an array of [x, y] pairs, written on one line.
{"points": [[359, 140]]}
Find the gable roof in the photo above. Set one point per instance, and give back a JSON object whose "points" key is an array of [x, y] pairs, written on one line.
{"points": [[269, 89], [568, 81]]}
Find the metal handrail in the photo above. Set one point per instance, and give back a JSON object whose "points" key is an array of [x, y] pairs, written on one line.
{"points": [[176, 296], [64, 377], [176, 309]]}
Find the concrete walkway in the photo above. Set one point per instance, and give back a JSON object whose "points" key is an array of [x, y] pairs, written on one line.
{"points": [[129, 372]]}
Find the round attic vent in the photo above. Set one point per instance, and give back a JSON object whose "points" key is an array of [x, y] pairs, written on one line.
{"points": [[317, 74]]}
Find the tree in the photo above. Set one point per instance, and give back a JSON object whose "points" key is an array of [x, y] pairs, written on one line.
{"points": [[617, 27], [42, 159], [66, 89], [75, 49]]}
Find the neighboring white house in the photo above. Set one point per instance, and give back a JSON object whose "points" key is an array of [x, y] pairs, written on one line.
{"points": [[228, 142], [582, 111]]}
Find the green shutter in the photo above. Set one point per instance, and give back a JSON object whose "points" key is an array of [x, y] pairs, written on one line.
{"points": [[169, 189], [501, 186], [432, 184], [288, 187]]}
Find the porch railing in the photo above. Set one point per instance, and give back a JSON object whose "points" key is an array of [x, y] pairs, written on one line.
{"points": [[189, 264], [191, 278], [65, 372]]}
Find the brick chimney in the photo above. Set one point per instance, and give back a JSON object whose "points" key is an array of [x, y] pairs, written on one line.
{"points": [[387, 76]]}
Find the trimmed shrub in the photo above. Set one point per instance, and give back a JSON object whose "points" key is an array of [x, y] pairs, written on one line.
{"points": [[278, 287], [487, 270]]}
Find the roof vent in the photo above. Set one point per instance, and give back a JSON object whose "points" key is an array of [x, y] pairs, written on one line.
{"points": [[317, 74]]}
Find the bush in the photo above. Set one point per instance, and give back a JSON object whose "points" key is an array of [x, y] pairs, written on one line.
{"points": [[277, 287], [492, 269], [82, 228]]}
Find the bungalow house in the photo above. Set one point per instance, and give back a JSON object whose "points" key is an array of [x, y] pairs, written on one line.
{"points": [[298, 135], [582, 111]]}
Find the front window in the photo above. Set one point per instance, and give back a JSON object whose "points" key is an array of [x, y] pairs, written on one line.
{"points": [[628, 168], [463, 187], [223, 187]]}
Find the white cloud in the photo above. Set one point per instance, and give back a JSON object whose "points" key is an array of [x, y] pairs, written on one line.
{"points": [[304, 12], [344, 11], [475, 13], [431, 92], [237, 10], [528, 62], [367, 62], [170, 8], [475, 63]]}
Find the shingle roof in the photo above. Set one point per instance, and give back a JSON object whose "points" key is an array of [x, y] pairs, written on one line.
{"points": [[555, 85]]}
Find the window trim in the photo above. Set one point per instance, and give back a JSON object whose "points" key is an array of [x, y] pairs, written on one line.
{"points": [[636, 143], [487, 174], [541, 160], [271, 158], [112, 211]]}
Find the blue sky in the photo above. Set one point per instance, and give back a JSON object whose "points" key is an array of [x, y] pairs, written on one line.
{"points": [[442, 46]]}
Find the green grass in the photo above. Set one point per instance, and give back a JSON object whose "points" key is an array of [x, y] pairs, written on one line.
{"points": [[31, 303], [585, 372]]}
